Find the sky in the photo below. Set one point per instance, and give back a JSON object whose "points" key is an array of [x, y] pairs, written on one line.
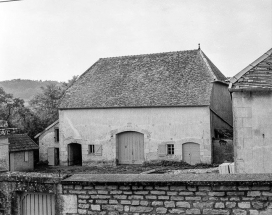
{"points": [[57, 39]]}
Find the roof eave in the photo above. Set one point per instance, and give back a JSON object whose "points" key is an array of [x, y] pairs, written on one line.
{"points": [[46, 129], [207, 64], [252, 89], [73, 108]]}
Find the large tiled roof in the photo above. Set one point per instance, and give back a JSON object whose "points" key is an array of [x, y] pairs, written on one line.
{"points": [[21, 142], [256, 76], [182, 78]]}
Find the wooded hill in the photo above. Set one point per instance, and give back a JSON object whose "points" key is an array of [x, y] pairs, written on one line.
{"points": [[24, 89]]}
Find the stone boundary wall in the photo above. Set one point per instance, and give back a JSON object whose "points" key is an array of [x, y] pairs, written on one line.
{"points": [[143, 194], [162, 194]]}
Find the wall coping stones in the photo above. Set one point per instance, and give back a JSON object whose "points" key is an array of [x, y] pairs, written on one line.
{"points": [[32, 177], [189, 179]]}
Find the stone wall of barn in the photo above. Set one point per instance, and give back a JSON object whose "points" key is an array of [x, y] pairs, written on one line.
{"points": [[176, 125], [252, 112]]}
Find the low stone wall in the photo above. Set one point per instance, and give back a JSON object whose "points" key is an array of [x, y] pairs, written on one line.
{"points": [[142, 194], [168, 194]]}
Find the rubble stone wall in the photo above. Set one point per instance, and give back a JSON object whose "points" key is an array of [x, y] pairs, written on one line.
{"points": [[168, 198]]}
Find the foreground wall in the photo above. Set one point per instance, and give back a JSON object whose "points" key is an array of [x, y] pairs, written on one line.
{"points": [[168, 194], [139, 194], [176, 125], [252, 131]]}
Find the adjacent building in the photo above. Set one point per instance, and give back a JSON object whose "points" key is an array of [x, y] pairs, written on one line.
{"points": [[251, 91], [49, 144], [17, 152], [131, 109]]}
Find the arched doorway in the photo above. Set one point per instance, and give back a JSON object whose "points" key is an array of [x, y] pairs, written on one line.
{"points": [[191, 153], [74, 154], [130, 147]]}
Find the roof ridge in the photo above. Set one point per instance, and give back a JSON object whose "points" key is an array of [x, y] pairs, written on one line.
{"points": [[124, 56], [203, 57]]}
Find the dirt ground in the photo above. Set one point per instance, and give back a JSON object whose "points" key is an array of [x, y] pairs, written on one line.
{"points": [[156, 167]]}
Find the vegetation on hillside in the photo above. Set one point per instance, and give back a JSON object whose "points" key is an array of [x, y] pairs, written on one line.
{"points": [[25, 89], [41, 112]]}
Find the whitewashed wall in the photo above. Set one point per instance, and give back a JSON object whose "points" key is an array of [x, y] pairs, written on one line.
{"points": [[252, 131], [100, 126]]}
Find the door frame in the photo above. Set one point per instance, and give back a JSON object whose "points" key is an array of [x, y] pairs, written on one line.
{"points": [[117, 146], [69, 153]]}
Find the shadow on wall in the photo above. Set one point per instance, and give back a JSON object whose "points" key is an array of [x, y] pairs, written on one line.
{"points": [[223, 151]]}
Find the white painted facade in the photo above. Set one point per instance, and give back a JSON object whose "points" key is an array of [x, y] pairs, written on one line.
{"points": [[252, 113], [177, 125]]}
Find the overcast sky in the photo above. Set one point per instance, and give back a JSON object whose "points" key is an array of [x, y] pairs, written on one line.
{"points": [[56, 39]]}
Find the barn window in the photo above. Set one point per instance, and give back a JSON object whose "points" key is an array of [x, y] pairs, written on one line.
{"points": [[170, 149], [95, 150], [56, 135], [26, 156], [91, 149]]}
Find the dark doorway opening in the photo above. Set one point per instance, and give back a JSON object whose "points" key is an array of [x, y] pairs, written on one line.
{"points": [[74, 154]]}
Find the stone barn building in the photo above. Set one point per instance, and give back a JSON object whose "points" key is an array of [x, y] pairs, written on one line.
{"points": [[131, 109], [251, 91]]}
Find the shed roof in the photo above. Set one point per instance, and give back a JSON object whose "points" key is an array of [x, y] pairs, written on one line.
{"points": [[256, 76], [21, 142], [182, 78]]}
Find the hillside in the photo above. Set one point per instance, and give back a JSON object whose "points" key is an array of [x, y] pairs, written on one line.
{"points": [[24, 89]]}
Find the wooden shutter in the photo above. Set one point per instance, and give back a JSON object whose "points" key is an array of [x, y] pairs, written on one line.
{"points": [[98, 150], [161, 150], [50, 156], [26, 156]]}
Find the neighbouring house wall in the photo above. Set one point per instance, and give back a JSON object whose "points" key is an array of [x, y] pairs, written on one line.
{"points": [[18, 163], [4, 153], [177, 125], [221, 104], [46, 140], [252, 113]]}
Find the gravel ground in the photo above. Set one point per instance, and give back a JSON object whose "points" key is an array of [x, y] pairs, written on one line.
{"points": [[154, 167]]}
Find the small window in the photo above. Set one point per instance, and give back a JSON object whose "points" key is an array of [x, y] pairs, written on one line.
{"points": [[26, 156], [170, 149], [56, 135], [91, 149]]}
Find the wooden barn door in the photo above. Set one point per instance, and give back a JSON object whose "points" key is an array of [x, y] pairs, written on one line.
{"points": [[191, 153], [130, 148], [37, 204]]}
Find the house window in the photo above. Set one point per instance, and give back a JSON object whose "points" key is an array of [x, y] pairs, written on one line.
{"points": [[170, 149], [56, 135], [91, 149], [26, 156]]}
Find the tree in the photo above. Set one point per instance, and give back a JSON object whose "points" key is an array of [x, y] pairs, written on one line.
{"points": [[45, 104]]}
